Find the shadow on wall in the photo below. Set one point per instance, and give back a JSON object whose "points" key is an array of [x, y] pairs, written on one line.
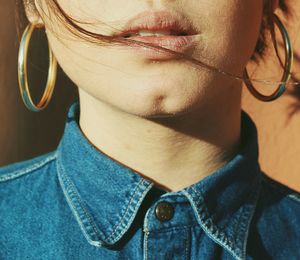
{"points": [[278, 122], [27, 134]]}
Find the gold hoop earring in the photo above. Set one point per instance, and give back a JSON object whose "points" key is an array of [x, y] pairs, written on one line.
{"points": [[287, 67], [22, 73]]}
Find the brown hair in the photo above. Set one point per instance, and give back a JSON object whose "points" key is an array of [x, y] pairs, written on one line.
{"points": [[73, 26]]}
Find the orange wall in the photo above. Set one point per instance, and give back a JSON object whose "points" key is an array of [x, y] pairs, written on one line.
{"points": [[278, 122]]}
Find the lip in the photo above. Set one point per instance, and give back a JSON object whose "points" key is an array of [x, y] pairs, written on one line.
{"points": [[157, 21], [179, 44]]}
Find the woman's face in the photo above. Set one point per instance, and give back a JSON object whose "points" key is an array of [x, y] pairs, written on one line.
{"points": [[227, 32]]}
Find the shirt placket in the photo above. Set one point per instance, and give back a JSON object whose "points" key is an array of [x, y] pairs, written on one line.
{"points": [[167, 230]]}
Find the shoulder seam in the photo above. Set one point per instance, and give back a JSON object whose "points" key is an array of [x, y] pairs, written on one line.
{"points": [[291, 194], [18, 173]]}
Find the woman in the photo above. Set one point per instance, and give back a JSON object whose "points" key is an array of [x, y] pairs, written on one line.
{"points": [[157, 161]]}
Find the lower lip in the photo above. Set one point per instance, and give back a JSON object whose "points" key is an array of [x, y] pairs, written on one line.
{"points": [[180, 44]]}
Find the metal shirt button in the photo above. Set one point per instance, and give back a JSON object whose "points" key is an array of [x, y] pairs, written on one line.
{"points": [[164, 211]]}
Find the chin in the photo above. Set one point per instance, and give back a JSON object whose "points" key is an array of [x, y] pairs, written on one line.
{"points": [[162, 107]]}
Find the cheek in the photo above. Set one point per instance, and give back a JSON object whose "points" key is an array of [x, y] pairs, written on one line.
{"points": [[231, 33]]}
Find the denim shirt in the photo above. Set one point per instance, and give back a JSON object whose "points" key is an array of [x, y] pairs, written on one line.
{"points": [[76, 202]]}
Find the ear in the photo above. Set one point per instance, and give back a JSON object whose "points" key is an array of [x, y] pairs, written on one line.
{"points": [[32, 12]]}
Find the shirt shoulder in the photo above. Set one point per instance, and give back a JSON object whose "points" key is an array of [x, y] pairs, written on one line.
{"points": [[26, 168], [291, 195], [279, 196], [275, 228], [24, 187]]}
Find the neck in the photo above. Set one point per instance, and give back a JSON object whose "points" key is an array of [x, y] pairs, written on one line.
{"points": [[175, 152]]}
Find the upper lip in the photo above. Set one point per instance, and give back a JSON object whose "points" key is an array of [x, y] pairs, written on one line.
{"points": [[157, 21]]}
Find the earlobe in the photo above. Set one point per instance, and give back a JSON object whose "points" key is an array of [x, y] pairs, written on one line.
{"points": [[32, 12]]}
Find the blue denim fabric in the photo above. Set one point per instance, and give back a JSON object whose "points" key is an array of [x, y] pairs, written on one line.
{"points": [[78, 203]]}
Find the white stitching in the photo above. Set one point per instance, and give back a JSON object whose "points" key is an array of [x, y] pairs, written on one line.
{"points": [[147, 232], [123, 218], [74, 196], [74, 210], [18, 173], [294, 196], [126, 210], [207, 229], [187, 243]]}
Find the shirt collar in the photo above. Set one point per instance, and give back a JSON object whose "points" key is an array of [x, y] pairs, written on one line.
{"points": [[92, 182], [225, 201]]}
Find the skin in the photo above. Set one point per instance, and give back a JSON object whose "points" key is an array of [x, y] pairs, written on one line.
{"points": [[172, 123]]}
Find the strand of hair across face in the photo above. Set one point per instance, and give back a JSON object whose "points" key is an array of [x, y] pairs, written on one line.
{"points": [[214, 69], [94, 37]]}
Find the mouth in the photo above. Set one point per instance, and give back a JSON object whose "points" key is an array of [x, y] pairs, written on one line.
{"points": [[168, 30], [149, 33], [157, 23]]}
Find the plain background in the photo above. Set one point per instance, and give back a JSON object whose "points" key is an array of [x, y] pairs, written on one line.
{"points": [[24, 134]]}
